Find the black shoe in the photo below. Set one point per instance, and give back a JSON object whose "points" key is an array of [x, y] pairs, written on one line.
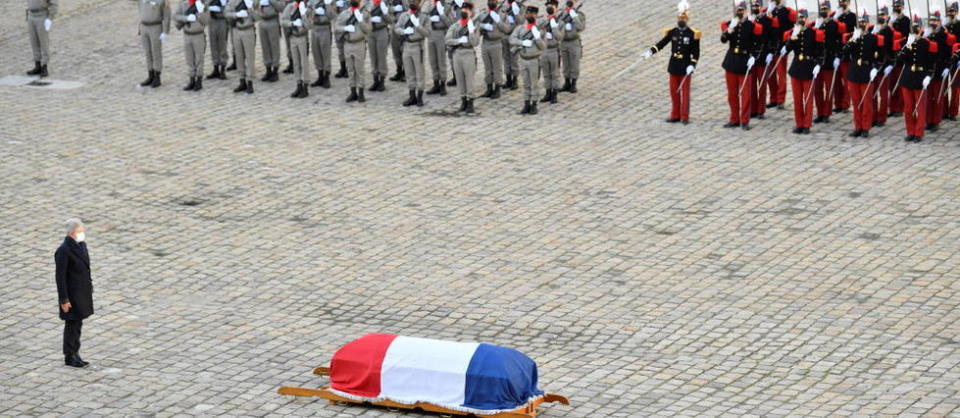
{"points": [[771, 105], [950, 117], [241, 87], [818, 119], [514, 84], [43, 71], [506, 82], [566, 84], [745, 126], [360, 97], [463, 105], [553, 96], [149, 80], [215, 73], [343, 70], [470, 106], [685, 122], [326, 80], [233, 65], [36, 69], [879, 124], [223, 73], [74, 361], [731, 125], [826, 119], [573, 85], [798, 130], [435, 89], [917, 139], [276, 74], [452, 82], [864, 133], [382, 84], [296, 93], [403, 75], [199, 85], [419, 98], [855, 133], [412, 100], [306, 91], [156, 80], [496, 92], [250, 87], [806, 131], [780, 106], [396, 75], [443, 88], [673, 120], [908, 138], [895, 114], [353, 95], [319, 81], [289, 69], [533, 108], [546, 96], [193, 83], [266, 76], [526, 108], [753, 115], [760, 116], [488, 92], [376, 83], [933, 127]]}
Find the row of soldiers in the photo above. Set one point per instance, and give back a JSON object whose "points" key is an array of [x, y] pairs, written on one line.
{"points": [[897, 66]]}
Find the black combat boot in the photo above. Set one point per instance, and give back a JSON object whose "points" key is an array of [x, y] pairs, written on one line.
{"points": [[443, 88], [412, 100], [488, 92], [566, 84], [343, 70], [319, 81], [215, 73], [435, 89], [305, 92], [463, 105], [360, 97], [573, 85], [553, 96], [533, 107], [250, 87], [199, 85], [353, 95], [383, 83], [148, 81], [276, 74], [43, 71], [526, 108], [452, 82], [326, 80], [376, 82], [289, 69], [546, 95], [470, 106], [233, 64], [36, 69], [496, 92], [241, 87], [296, 93], [156, 80], [223, 72], [514, 83], [267, 74], [419, 98], [193, 83], [398, 76]]}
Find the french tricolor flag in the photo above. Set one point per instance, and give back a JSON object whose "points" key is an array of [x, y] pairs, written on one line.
{"points": [[469, 377]]}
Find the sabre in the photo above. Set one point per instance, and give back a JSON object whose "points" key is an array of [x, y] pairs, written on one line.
{"points": [[916, 107], [625, 70]]}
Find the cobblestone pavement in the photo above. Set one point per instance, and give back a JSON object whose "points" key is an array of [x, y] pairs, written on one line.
{"points": [[650, 269]]}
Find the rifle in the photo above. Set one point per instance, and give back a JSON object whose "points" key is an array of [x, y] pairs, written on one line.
{"points": [[352, 20]]}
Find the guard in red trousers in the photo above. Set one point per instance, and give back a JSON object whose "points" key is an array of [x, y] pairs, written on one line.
{"points": [[937, 95], [863, 50], [827, 78], [901, 26], [806, 42], [741, 35], [684, 43], [917, 57], [783, 19], [767, 47], [841, 101], [953, 26], [884, 83]]}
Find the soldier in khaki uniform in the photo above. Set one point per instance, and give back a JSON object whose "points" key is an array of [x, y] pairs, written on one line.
{"points": [[493, 28], [571, 49], [462, 37], [439, 21], [298, 19], [321, 39], [217, 29], [412, 28], [353, 26], [513, 9], [244, 35], [154, 26], [286, 42], [528, 42], [378, 42], [40, 15], [192, 19], [553, 32], [396, 41], [268, 28], [342, 73]]}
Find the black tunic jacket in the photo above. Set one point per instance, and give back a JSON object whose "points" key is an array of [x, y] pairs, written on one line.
{"points": [[684, 49]]}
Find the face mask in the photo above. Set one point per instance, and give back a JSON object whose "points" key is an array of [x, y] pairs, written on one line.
{"points": [[824, 15], [569, 4], [81, 236], [881, 21], [681, 24], [413, 9], [551, 10], [531, 19], [739, 15], [464, 15], [491, 6], [755, 12]]}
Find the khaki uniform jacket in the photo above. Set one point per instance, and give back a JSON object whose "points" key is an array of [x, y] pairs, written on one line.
{"points": [[577, 24], [383, 10], [286, 20], [155, 11], [452, 39], [555, 33], [329, 11], [520, 34], [191, 28], [429, 10], [270, 13], [245, 22], [42, 8], [500, 30], [420, 32], [346, 18]]}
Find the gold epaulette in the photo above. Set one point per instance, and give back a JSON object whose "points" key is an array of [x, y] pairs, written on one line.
{"points": [[667, 31], [696, 33]]}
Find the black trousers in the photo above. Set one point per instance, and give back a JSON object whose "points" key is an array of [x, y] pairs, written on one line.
{"points": [[71, 337]]}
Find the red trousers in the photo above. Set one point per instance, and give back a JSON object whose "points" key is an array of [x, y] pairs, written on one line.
{"points": [[954, 102], [802, 110], [738, 96], [680, 97], [896, 97], [777, 81], [840, 98], [916, 121], [758, 93], [861, 97], [881, 93], [935, 102], [821, 94]]}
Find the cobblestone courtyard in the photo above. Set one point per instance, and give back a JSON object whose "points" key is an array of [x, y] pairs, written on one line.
{"points": [[650, 269]]}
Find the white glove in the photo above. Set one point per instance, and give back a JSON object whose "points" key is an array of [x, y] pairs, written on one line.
{"points": [[350, 28], [248, 3], [689, 69], [553, 23], [488, 27], [946, 73], [191, 18], [264, 2], [47, 24], [408, 31], [415, 20], [398, 8], [873, 74], [516, 9], [926, 31], [769, 58], [495, 16], [816, 70], [751, 17], [303, 8], [242, 14], [199, 5], [549, 35], [376, 19], [911, 39], [886, 71], [796, 31], [357, 14], [856, 34], [926, 81], [568, 27], [434, 18], [646, 54], [535, 32], [573, 13], [817, 23], [327, 1], [440, 7], [876, 29], [511, 19], [216, 9], [463, 40], [163, 36], [836, 63], [459, 3], [383, 7], [298, 23], [751, 61], [783, 51], [340, 3], [733, 24], [527, 43], [470, 26], [321, 11]]}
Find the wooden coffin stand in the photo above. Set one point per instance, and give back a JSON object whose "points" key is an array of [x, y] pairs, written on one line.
{"points": [[528, 411]]}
